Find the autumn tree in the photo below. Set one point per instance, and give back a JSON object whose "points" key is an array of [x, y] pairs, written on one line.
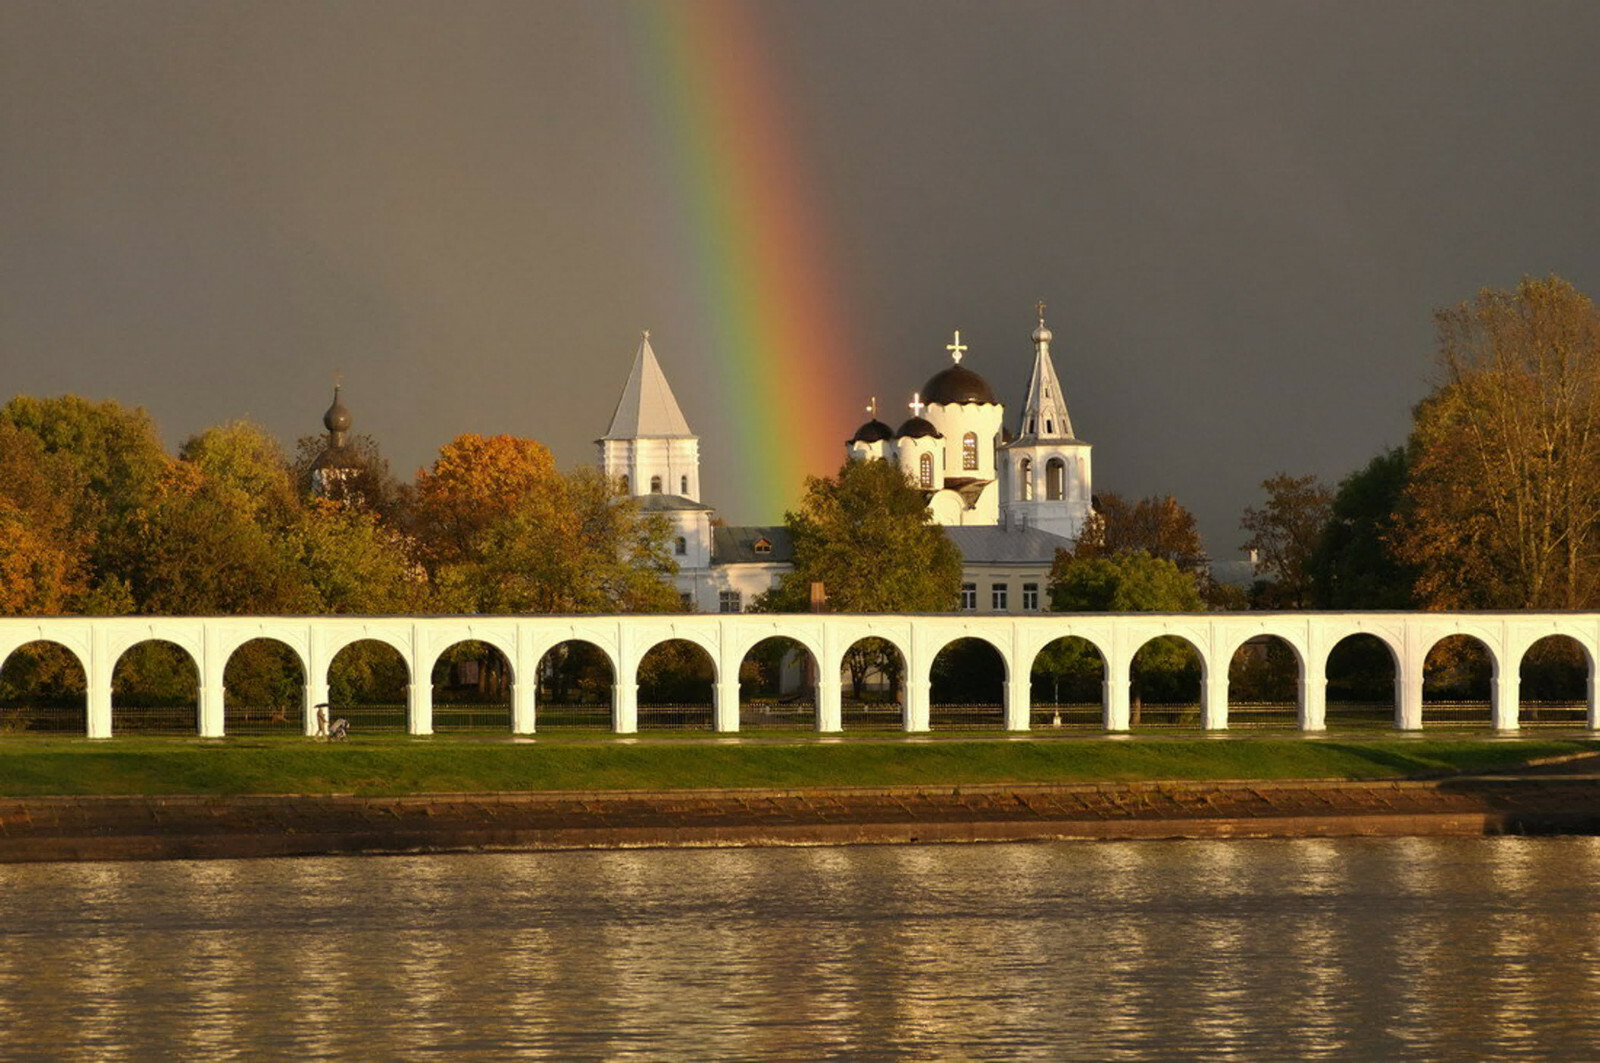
{"points": [[1158, 525], [865, 533], [43, 548], [118, 460], [503, 531], [1283, 537], [476, 482], [1504, 492]]}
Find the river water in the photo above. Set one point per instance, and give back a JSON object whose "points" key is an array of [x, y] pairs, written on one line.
{"points": [[1427, 948]]}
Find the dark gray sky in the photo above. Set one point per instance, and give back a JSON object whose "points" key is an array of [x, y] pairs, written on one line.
{"points": [[1242, 215]]}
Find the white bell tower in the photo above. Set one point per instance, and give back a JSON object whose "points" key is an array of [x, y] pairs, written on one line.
{"points": [[1044, 473]]}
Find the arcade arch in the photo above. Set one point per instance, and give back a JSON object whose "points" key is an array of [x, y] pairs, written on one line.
{"points": [[1166, 675], [1067, 684], [778, 686], [677, 687], [576, 687], [263, 689], [1553, 683], [967, 686], [155, 689], [368, 685], [471, 688], [1456, 683], [1264, 684], [43, 690], [872, 677]]}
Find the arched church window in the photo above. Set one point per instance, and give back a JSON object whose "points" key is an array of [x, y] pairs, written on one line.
{"points": [[969, 450], [655, 485], [680, 546], [683, 485], [1025, 476], [1055, 480], [1049, 427], [926, 468]]}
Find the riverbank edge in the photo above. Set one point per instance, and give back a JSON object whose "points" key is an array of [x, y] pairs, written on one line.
{"points": [[37, 829]]}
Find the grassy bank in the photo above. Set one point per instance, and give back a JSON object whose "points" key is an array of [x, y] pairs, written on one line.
{"points": [[33, 767]]}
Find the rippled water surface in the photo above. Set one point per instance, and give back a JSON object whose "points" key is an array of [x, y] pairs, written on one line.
{"points": [[1463, 948]]}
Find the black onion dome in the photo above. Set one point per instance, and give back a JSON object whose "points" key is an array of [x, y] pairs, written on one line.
{"points": [[957, 384], [917, 428], [337, 419], [874, 431]]}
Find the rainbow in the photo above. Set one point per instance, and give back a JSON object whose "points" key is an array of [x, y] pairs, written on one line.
{"points": [[786, 364]]}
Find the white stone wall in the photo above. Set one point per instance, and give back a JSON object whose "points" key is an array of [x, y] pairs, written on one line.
{"points": [[676, 461], [210, 641]]}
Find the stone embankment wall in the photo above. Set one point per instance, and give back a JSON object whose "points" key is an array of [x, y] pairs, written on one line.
{"points": [[150, 828]]}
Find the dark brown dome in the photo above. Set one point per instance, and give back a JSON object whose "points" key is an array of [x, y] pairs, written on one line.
{"points": [[957, 384], [917, 428], [874, 431], [337, 419]]}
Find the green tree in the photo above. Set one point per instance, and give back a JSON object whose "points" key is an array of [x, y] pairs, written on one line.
{"points": [[1284, 535], [865, 533], [1354, 565], [355, 563], [202, 553], [1125, 583], [1504, 494]]}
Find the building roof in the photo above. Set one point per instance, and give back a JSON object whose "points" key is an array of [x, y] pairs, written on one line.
{"points": [[647, 408], [655, 503], [957, 384], [993, 544], [737, 545]]}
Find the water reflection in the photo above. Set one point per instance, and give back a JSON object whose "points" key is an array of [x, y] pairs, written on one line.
{"points": [[1314, 949]]}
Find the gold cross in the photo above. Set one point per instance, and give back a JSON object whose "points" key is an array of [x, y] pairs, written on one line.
{"points": [[1041, 311], [872, 407], [956, 349], [916, 403]]}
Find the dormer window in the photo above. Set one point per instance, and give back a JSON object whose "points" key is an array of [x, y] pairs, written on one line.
{"points": [[763, 546]]}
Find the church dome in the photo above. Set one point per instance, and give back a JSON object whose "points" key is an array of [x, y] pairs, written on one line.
{"points": [[1042, 334], [957, 384], [917, 428], [337, 419], [874, 431]]}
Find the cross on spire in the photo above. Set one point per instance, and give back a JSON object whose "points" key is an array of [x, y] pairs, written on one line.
{"points": [[916, 403], [1040, 308], [872, 407], [956, 349], [645, 333]]}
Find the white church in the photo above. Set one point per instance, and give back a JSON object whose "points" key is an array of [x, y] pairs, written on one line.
{"points": [[1008, 500]]}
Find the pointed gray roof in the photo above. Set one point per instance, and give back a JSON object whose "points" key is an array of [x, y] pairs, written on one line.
{"points": [[1044, 415], [647, 409]]}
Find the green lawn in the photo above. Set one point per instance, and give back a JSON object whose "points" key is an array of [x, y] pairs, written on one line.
{"points": [[400, 765]]}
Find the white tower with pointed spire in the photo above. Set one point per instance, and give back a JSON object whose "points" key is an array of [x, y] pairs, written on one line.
{"points": [[649, 445], [650, 450], [1045, 480]]}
